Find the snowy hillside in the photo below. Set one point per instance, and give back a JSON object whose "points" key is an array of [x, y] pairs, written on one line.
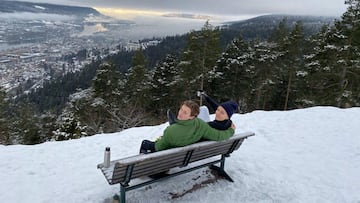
{"points": [[308, 155], [32, 7]]}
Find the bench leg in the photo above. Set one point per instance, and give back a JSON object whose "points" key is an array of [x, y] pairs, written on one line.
{"points": [[122, 194], [220, 170]]}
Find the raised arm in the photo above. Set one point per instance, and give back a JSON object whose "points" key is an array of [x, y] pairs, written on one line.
{"points": [[214, 105]]}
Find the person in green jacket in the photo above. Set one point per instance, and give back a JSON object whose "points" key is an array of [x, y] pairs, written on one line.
{"points": [[187, 130]]}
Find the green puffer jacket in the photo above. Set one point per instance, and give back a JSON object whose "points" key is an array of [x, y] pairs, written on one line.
{"points": [[187, 132]]}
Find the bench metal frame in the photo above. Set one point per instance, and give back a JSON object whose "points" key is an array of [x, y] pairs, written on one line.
{"points": [[124, 170]]}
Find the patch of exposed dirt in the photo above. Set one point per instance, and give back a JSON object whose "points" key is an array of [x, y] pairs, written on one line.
{"points": [[212, 178]]}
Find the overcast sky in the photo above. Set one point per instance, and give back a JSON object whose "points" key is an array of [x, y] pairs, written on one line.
{"points": [[220, 7]]}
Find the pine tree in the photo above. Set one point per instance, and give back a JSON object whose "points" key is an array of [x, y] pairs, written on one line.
{"points": [[349, 55], [232, 75], [199, 58], [280, 34], [69, 127], [85, 114], [350, 24], [137, 79], [4, 119], [92, 106], [47, 123], [265, 74], [106, 82], [320, 76], [25, 125], [164, 84], [295, 62]]}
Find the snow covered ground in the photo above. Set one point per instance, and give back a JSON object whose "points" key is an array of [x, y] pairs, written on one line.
{"points": [[307, 155]]}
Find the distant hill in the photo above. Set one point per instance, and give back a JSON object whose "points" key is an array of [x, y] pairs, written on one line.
{"points": [[263, 26], [275, 19], [20, 6]]}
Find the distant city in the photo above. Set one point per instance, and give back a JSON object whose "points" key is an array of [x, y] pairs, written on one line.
{"points": [[33, 51]]}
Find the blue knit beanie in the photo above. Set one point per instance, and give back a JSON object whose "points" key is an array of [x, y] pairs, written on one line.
{"points": [[230, 107]]}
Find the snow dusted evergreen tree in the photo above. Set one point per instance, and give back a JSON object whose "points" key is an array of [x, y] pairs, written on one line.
{"points": [[137, 81], [350, 24], [68, 123], [280, 43], [70, 128], [26, 127], [199, 58], [4, 119], [232, 76], [280, 34], [94, 105], [47, 123], [295, 62], [349, 55], [164, 86], [320, 76], [87, 112], [264, 56], [106, 82]]}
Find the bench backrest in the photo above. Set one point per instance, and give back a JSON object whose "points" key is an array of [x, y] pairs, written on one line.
{"points": [[149, 164]]}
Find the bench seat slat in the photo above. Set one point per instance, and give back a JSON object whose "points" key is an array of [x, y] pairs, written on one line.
{"points": [[145, 169], [223, 149]]}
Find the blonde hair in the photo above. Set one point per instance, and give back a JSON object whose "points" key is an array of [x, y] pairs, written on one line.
{"points": [[194, 107]]}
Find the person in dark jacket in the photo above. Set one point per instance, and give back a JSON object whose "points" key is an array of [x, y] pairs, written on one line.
{"points": [[187, 130], [223, 112]]}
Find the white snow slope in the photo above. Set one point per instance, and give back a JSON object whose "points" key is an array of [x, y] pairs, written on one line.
{"points": [[307, 155]]}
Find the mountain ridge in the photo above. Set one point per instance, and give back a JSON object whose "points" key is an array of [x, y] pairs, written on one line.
{"points": [[263, 26], [32, 7]]}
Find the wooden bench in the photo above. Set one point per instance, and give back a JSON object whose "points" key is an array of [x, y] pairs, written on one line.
{"points": [[124, 170]]}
